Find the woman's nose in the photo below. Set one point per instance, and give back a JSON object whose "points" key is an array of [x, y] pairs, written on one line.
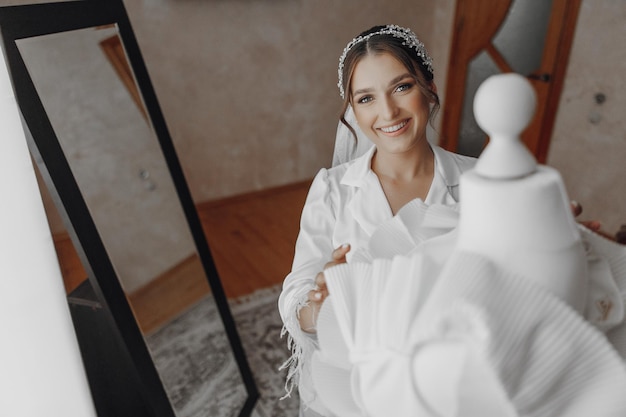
{"points": [[389, 108]]}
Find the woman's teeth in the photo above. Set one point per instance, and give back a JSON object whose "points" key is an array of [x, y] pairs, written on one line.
{"points": [[395, 128]]}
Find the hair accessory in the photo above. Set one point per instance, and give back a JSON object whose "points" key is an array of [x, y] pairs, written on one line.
{"points": [[409, 39]]}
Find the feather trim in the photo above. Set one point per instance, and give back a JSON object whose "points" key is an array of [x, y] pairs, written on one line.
{"points": [[300, 344]]}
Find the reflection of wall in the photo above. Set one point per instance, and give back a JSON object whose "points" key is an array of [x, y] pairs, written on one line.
{"points": [[108, 145]]}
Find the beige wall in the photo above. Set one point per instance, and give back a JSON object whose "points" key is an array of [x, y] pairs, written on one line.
{"points": [[589, 141], [248, 88]]}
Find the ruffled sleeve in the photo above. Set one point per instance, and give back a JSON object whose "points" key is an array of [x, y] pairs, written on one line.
{"points": [[313, 250]]}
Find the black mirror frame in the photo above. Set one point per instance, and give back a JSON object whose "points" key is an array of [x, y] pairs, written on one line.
{"points": [[18, 22]]}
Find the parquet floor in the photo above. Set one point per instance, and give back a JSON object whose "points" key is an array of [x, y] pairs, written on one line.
{"points": [[251, 238]]}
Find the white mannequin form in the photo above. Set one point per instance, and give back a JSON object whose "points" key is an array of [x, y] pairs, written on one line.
{"points": [[498, 329], [515, 212]]}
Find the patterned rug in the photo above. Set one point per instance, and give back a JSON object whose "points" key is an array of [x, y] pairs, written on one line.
{"points": [[193, 357]]}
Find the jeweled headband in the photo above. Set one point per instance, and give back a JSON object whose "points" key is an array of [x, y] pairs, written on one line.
{"points": [[408, 38]]}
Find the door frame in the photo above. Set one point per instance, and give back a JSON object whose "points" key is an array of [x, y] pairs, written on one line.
{"points": [[475, 24]]}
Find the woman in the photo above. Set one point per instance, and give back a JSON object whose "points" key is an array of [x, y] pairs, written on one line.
{"points": [[386, 77]]}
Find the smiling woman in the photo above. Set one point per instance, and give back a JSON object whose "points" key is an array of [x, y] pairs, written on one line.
{"points": [[385, 76], [393, 113]]}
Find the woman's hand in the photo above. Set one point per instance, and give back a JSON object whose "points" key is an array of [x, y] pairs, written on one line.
{"points": [[308, 314], [577, 209], [593, 225]]}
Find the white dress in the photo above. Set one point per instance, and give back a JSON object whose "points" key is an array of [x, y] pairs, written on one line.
{"points": [[444, 315], [418, 324], [345, 204], [404, 337]]}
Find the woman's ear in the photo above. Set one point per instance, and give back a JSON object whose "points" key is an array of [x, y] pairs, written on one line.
{"points": [[432, 97]]}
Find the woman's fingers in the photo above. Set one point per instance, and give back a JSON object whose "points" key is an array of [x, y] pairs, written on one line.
{"points": [[315, 296], [592, 225], [308, 313], [338, 255], [576, 208], [321, 291], [320, 280]]}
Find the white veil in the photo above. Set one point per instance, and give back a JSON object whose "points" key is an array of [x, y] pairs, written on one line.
{"points": [[346, 148]]}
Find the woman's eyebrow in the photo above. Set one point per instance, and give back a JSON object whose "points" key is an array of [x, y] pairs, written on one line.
{"points": [[400, 78], [392, 82], [361, 91]]}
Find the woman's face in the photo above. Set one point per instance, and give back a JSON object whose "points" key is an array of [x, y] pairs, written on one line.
{"points": [[388, 104]]}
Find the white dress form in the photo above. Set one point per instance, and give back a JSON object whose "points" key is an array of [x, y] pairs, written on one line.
{"points": [[513, 211], [492, 332]]}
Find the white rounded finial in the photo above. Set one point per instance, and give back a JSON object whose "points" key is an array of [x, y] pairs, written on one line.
{"points": [[504, 106]]}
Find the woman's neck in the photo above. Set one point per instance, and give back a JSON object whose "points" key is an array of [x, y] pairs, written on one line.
{"points": [[406, 176], [403, 167]]}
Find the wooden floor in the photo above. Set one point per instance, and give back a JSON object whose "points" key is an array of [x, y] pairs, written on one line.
{"points": [[251, 238]]}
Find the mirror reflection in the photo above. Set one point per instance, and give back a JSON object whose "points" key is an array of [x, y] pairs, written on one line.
{"points": [[89, 95]]}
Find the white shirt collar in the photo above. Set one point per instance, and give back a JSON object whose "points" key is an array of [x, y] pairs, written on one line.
{"points": [[447, 169]]}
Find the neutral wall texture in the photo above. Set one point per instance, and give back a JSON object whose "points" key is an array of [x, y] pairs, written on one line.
{"points": [[589, 141], [247, 88]]}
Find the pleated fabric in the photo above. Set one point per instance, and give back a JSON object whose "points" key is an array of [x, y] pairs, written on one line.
{"points": [[405, 336]]}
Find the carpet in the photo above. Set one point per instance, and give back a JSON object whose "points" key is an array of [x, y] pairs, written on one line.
{"points": [[198, 370]]}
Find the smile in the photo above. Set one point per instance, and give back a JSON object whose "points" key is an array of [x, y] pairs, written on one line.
{"points": [[394, 128]]}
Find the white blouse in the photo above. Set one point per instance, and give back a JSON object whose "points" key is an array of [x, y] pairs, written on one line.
{"points": [[345, 204]]}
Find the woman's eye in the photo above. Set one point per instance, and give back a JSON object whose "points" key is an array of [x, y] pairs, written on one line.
{"points": [[404, 87], [364, 99]]}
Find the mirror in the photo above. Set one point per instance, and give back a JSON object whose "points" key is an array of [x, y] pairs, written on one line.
{"points": [[102, 147]]}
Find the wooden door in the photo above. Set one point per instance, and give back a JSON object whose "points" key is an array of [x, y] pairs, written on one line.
{"points": [[540, 32]]}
